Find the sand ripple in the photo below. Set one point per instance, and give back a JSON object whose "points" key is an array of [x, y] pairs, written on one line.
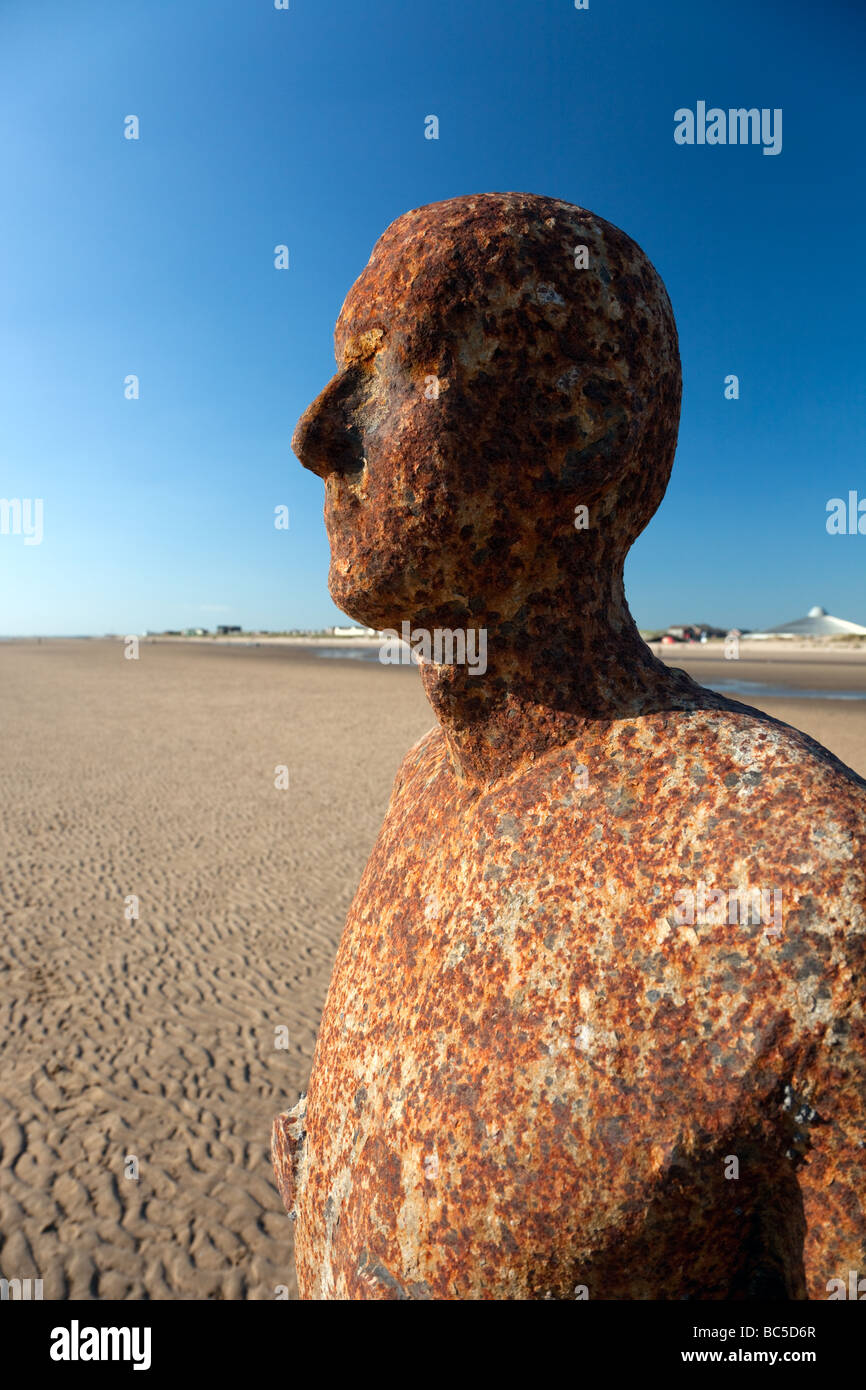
{"points": [[155, 1037]]}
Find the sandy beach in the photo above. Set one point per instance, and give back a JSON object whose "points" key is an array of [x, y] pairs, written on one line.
{"points": [[154, 1037]]}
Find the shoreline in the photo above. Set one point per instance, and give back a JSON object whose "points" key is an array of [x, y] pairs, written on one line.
{"points": [[763, 670], [813, 649]]}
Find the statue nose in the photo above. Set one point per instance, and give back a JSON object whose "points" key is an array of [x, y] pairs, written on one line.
{"points": [[327, 438]]}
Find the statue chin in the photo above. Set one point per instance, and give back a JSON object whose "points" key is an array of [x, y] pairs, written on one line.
{"points": [[376, 596], [362, 603]]}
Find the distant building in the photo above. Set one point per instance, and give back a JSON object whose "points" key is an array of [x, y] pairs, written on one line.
{"points": [[353, 631], [223, 630], [694, 632], [817, 623]]}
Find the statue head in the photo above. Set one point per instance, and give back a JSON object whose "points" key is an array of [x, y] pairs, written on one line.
{"points": [[503, 361]]}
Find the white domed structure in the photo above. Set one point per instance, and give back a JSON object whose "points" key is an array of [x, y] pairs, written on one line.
{"points": [[817, 623]]}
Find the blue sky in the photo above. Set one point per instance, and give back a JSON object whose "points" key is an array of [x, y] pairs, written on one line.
{"points": [[306, 127]]}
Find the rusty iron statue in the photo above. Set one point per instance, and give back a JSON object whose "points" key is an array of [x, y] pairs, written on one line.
{"points": [[567, 1050]]}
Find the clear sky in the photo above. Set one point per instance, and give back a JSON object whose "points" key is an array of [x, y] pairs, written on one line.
{"points": [[305, 127]]}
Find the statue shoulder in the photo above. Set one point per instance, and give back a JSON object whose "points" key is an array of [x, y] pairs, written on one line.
{"points": [[424, 759]]}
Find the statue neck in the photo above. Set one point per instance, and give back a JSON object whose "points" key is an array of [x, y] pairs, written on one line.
{"points": [[546, 682]]}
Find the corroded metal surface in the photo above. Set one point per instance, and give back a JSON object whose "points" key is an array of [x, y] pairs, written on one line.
{"points": [[287, 1149], [534, 1071]]}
